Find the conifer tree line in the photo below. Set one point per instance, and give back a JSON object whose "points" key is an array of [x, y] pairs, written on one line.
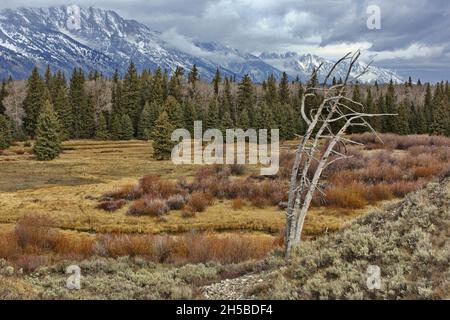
{"points": [[139, 104]]}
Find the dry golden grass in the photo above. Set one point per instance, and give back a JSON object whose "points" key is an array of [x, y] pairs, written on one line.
{"points": [[85, 163], [67, 191]]}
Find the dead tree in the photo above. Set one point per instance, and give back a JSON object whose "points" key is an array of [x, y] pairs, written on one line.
{"points": [[335, 108]]}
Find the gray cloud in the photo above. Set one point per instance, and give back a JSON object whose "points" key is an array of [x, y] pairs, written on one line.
{"points": [[414, 37]]}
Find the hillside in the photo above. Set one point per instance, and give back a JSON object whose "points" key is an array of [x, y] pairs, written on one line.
{"points": [[409, 242]]}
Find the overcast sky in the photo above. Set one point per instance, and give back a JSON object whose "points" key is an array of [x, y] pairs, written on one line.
{"points": [[414, 37]]}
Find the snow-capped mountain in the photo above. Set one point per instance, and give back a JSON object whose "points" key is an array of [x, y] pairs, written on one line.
{"points": [[95, 39], [303, 65], [240, 63]]}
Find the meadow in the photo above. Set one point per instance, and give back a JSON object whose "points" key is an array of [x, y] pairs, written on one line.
{"points": [[110, 199]]}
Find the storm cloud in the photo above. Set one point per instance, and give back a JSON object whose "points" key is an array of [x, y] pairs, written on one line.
{"points": [[414, 38]]}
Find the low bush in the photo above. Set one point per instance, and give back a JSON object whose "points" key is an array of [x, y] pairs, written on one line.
{"points": [[400, 189], [199, 201], [426, 172], [260, 202], [227, 249], [237, 169], [35, 231], [188, 248], [393, 141], [29, 262], [350, 197], [112, 205], [188, 212], [176, 202], [216, 171], [378, 192], [129, 192], [238, 204], [154, 186], [9, 247], [148, 207], [124, 245]]}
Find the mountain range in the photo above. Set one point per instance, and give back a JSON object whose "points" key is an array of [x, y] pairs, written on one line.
{"points": [[95, 39]]}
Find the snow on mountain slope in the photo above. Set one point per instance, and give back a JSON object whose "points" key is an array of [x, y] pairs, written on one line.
{"points": [[238, 62], [100, 40], [303, 65], [95, 39]]}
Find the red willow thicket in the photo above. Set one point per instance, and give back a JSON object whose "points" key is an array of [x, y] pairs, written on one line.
{"points": [[379, 172], [36, 242]]}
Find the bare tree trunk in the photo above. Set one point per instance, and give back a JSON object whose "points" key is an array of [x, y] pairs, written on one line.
{"points": [[331, 110]]}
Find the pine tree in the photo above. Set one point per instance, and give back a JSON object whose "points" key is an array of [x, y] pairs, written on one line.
{"points": [[126, 128], [216, 82], [334, 81], [417, 123], [33, 102], [157, 94], [447, 90], [48, 143], [290, 122], [402, 120], [356, 97], [264, 117], [173, 109], [428, 107], [227, 101], [145, 85], [48, 77], [441, 113], [212, 115], [284, 91], [370, 106], [82, 107], [3, 94], [5, 132], [116, 127], [63, 110], [165, 85], [101, 132], [175, 84], [246, 98], [193, 76], [161, 134], [227, 122], [116, 95], [390, 108], [87, 119], [271, 95], [380, 107], [131, 95], [244, 122], [146, 121], [189, 115], [441, 123], [314, 81]]}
